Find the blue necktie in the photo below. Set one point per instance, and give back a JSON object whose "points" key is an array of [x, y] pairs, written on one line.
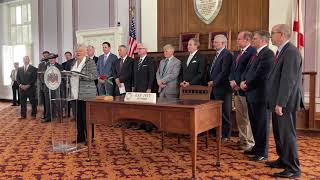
{"points": [[164, 67]]}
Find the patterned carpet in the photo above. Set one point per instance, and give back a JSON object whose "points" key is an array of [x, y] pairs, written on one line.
{"points": [[25, 154]]}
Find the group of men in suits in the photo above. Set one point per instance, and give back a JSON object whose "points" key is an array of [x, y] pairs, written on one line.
{"points": [[261, 82], [265, 82]]}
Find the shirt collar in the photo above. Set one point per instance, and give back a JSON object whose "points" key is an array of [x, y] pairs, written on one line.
{"points": [[192, 54], [282, 45], [124, 58], [143, 57], [245, 48], [107, 55], [220, 50], [258, 50]]}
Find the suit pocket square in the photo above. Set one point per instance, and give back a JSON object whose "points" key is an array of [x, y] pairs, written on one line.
{"points": [[144, 65], [194, 62]]}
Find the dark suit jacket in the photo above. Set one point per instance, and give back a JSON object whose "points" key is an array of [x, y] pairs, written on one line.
{"points": [[195, 72], [237, 70], [144, 78], [27, 78], [125, 75], [68, 64], [220, 73], [95, 58], [285, 80], [256, 75]]}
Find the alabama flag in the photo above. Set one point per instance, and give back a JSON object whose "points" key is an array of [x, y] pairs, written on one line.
{"points": [[298, 25]]}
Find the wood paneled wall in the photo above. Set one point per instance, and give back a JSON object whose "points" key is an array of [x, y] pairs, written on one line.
{"points": [[176, 16]]}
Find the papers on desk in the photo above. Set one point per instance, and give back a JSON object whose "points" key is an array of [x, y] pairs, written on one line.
{"points": [[122, 88]]}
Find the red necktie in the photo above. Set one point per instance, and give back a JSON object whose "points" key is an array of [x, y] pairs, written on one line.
{"points": [[239, 55], [276, 58], [253, 57]]}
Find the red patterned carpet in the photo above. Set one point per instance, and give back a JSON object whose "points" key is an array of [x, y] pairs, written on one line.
{"points": [[24, 154]]}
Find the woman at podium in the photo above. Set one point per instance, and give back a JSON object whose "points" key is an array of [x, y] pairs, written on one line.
{"points": [[82, 87]]}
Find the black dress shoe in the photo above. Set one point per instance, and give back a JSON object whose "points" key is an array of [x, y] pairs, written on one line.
{"points": [[275, 164], [13, 105], [287, 174], [22, 117], [258, 158]]}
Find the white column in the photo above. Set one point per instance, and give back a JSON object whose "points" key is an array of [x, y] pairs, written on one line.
{"points": [[149, 24], [67, 26]]}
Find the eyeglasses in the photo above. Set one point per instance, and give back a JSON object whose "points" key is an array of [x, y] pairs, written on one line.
{"points": [[274, 32]]}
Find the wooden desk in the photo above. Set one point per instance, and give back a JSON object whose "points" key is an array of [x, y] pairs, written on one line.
{"points": [[169, 115]]}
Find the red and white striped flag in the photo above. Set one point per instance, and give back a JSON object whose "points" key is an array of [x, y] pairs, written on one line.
{"points": [[297, 25], [132, 45]]}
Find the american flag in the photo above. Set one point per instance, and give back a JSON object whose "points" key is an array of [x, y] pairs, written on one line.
{"points": [[132, 46]]}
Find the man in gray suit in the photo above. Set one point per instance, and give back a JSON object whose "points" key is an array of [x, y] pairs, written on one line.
{"points": [[167, 74], [104, 68], [284, 99]]}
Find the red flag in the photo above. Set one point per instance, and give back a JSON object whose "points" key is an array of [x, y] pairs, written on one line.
{"points": [[298, 29]]}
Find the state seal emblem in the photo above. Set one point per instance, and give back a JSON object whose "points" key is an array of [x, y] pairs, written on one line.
{"points": [[52, 78], [207, 10]]}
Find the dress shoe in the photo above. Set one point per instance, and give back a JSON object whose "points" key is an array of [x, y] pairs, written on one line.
{"points": [[22, 117], [275, 164], [43, 117], [258, 158], [287, 174], [13, 105]]}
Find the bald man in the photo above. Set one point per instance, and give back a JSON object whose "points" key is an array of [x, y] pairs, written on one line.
{"points": [[27, 78]]}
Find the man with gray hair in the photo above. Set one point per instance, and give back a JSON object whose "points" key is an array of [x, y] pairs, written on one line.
{"points": [[218, 80], [122, 71], [26, 79], [285, 97], [253, 83], [168, 72]]}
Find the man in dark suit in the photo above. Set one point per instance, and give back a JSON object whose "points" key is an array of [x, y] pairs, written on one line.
{"points": [[143, 76], [218, 80], [285, 97], [41, 69], [91, 55], [144, 71], [52, 62], [122, 71], [69, 61], [254, 81], [241, 59], [193, 68], [104, 66], [26, 78]]}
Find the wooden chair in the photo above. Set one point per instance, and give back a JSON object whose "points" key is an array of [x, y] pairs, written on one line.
{"points": [[184, 38], [213, 34], [196, 92]]}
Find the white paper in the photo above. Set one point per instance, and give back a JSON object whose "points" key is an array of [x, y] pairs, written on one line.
{"points": [[122, 88]]}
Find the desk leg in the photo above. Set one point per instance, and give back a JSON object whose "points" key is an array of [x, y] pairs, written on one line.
{"points": [[123, 138], [218, 136], [194, 156], [162, 140], [89, 128]]}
